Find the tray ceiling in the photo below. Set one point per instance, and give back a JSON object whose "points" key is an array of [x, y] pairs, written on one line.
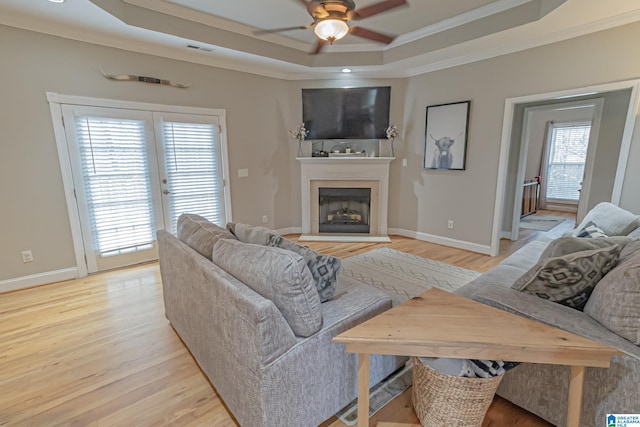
{"points": [[430, 34]]}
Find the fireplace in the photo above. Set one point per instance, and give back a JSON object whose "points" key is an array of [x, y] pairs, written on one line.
{"points": [[345, 199], [344, 210]]}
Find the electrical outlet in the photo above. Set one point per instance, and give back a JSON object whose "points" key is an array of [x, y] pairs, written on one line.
{"points": [[243, 173], [265, 219], [450, 224], [27, 256]]}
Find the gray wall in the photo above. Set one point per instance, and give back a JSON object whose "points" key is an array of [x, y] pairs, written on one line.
{"points": [[34, 214], [260, 111], [430, 198]]}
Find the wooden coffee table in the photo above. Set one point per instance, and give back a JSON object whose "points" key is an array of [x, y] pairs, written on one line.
{"points": [[437, 323]]}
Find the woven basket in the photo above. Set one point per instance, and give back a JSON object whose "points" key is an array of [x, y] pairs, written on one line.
{"points": [[445, 400]]}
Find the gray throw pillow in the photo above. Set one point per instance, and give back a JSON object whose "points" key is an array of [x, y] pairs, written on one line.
{"points": [[251, 234], [324, 268], [569, 279], [568, 245], [611, 219], [278, 275], [200, 234], [615, 301]]}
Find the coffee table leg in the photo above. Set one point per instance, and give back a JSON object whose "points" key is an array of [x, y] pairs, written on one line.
{"points": [[575, 396], [363, 390]]}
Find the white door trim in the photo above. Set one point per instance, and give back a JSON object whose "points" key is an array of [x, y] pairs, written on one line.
{"points": [[594, 137], [55, 105], [505, 142]]}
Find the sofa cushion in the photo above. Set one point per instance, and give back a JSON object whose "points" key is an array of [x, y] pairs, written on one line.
{"points": [[611, 219], [200, 234], [278, 275], [568, 245], [591, 230], [569, 279], [629, 250], [324, 268], [615, 301], [635, 234]]}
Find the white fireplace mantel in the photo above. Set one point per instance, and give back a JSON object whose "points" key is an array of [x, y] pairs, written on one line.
{"points": [[345, 169]]}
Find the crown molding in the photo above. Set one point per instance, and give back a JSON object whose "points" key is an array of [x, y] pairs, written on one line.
{"points": [[545, 39]]}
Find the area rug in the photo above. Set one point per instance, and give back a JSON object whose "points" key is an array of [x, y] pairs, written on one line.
{"points": [[402, 276], [540, 222]]}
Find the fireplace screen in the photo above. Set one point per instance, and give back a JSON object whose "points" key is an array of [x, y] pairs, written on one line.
{"points": [[344, 210]]}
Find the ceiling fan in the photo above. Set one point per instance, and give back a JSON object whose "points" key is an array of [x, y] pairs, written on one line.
{"points": [[331, 20]]}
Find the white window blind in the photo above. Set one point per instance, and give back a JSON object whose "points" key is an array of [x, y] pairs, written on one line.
{"points": [[193, 171], [115, 166], [567, 156]]}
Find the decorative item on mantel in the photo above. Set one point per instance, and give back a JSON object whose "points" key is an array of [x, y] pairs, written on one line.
{"points": [[392, 133], [299, 134]]}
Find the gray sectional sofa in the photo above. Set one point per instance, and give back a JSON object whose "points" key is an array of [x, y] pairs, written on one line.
{"points": [[265, 373], [611, 316]]}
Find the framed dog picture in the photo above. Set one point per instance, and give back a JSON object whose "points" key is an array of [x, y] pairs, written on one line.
{"points": [[445, 137]]}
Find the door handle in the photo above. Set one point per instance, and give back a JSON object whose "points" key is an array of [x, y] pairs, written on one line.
{"points": [[166, 192]]}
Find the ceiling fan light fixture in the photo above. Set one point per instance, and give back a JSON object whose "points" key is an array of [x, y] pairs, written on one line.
{"points": [[331, 29]]}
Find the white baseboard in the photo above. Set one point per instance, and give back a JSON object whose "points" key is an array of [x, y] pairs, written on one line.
{"points": [[38, 279], [460, 244], [289, 230], [562, 207], [505, 235], [350, 238]]}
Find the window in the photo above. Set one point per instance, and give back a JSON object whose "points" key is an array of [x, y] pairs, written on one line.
{"points": [[115, 166], [193, 171], [567, 156]]}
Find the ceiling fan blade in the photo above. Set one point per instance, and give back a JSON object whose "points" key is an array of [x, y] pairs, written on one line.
{"points": [[371, 35], [319, 46], [375, 8], [278, 30]]}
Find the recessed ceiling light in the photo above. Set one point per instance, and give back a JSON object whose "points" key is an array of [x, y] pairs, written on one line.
{"points": [[346, 70], [56, 1]]}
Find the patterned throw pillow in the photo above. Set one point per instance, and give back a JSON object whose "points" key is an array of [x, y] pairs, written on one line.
{"points": [[591, 230], [324, 268], [570, 279]]}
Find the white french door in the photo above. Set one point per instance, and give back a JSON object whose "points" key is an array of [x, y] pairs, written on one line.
{"points": [[192, 175], [135, 172]]}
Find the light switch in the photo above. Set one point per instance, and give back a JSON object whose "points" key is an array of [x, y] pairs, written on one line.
{"points": [[243, 173], [404, 162]]}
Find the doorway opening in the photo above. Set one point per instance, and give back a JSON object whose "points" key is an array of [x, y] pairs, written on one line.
{"points": [[622, 100]]}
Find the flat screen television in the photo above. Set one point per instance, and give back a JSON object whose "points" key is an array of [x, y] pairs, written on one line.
{"points": [[346, 113]]}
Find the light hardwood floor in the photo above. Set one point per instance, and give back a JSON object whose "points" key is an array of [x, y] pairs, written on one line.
{"points": [[99, 351]]}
